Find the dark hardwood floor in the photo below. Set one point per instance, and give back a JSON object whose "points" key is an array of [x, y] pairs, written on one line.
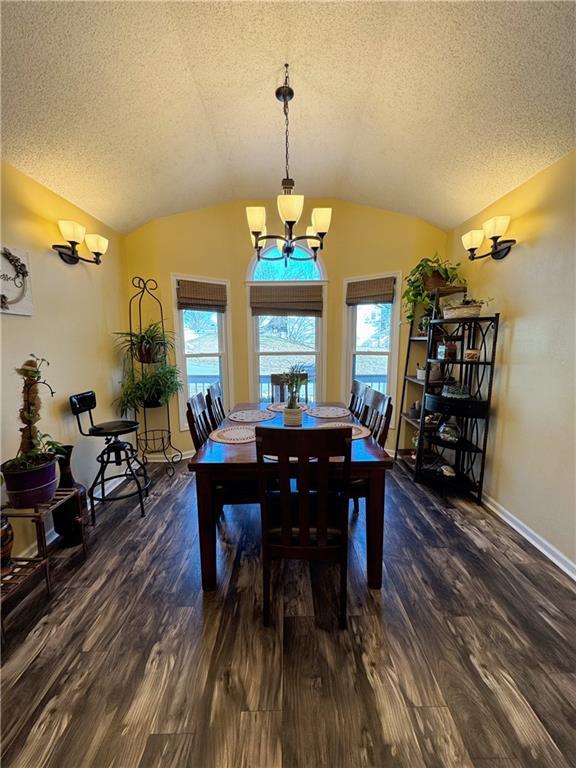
{"points": [[465, 659]]}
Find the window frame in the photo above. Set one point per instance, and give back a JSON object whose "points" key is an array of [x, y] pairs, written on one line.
{"points": [[321, 331], [224, 340], [349, 335]]}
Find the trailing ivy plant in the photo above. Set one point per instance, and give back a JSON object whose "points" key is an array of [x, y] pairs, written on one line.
{"points": [[416, 291]]}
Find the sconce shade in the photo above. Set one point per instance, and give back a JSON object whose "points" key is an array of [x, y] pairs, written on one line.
{"points": [[96, 244], [290, 207], [473, 239], [256, 216], [496, 227], [321, 218], [71, 231]]}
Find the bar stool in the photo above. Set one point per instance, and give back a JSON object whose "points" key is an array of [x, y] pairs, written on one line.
{"points": [[116, 452]]}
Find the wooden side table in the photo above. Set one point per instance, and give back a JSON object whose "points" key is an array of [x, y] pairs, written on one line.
{"points": [[25, 568]]}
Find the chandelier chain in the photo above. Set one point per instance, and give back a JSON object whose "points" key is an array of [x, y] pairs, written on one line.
{"points": [[287, 122]]}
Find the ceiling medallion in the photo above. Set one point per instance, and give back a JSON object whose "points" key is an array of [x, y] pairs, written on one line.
{"points": [[289, 207]]}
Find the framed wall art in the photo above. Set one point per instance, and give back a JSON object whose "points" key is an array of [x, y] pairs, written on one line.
{"points": [[15, 284]]}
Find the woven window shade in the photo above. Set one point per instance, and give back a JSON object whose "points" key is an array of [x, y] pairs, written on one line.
{"points": [[305, 300], [193, 294], [377, 291]]}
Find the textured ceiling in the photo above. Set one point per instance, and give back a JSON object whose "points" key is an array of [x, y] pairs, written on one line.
{"points": [[134, 110]]}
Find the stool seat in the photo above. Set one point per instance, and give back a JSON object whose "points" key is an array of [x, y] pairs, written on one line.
{"points": [[113, 428]]}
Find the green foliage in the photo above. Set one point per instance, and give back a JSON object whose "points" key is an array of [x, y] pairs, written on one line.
{"points": [[415, 292], [36, 447], [149, 346], [153, 386], [293, 379], [467, 301]]}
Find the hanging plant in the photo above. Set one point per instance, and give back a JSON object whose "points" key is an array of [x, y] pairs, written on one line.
{"points": [[151, 345], [148, 389], [427, 275]]}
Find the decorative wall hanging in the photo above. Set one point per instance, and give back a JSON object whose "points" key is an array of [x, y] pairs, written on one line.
{"points": [[15, 286]]}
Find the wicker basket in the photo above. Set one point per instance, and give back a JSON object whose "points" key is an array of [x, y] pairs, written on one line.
{"points": [[462, 310]]}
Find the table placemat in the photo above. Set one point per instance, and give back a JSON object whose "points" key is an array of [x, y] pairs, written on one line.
{"points": [[233, 435], [329, 412], [250, 415], [279, 407], [358, 431]]}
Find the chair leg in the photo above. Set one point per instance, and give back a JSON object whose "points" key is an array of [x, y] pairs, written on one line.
{"points": [[343, 589], [129, 459], [265, 588], [98, 480]]}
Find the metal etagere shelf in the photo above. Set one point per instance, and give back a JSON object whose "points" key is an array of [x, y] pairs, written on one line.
{"points": [[157, 441]]}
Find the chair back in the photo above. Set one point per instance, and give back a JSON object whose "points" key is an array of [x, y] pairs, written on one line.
{"points": [[278, 387], [304, 519], [198, 419], [215, 404], [376, 414], [357, 392], [79, 404]]}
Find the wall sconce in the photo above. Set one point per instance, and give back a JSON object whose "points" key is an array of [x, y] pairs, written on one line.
{"points": [[75, 234], [493, 229]]}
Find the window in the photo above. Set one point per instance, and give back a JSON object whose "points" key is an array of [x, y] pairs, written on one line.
{"points": [[373, 316], [202, 328], [286, 322], [282, 341], [371, 325], [203, 342]]}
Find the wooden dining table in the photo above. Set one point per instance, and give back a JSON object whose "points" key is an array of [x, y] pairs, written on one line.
{"points": [[218, 463]]}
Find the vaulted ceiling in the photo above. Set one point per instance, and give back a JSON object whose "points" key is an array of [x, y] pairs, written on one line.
{"points": [[134, 110]]}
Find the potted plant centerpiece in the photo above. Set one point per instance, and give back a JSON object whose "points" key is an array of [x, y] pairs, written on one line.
{"points": [[426, 276], [30, 477], [293, 379], [466, 307]]}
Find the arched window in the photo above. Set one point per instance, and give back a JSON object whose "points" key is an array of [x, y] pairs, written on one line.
{"points": [[283, 334]]}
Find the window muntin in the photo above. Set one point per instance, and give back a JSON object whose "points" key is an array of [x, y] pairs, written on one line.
{"points": [[295, 270]]}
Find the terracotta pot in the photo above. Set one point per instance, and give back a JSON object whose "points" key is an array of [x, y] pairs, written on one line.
{"points": [[28, 487], [7, 538]]}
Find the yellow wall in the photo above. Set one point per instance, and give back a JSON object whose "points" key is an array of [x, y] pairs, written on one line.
{"points": [[214, 242], [531, 459], [76, 308]]}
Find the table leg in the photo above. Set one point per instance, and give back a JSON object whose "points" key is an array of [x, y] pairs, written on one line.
{"points": [[375, 527], [206, 530]]}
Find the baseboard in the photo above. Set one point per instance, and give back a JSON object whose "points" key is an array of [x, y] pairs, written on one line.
{"points": [[159, 458], [51, 534], [549, 550]]}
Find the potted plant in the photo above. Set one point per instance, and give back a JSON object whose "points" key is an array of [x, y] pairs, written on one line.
{"points": [[149, 346], [466, 307], [149, 388], [293, 379], [30, 477], [427, 275]]}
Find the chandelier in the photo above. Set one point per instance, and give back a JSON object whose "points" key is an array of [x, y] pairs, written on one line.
{"points": [[289, 207]]}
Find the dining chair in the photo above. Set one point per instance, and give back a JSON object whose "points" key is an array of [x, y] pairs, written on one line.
{"points": [[215, 404], [278, 387], [308, 518], [238, 491], [376, 415], [357, 392], [198, 418]]}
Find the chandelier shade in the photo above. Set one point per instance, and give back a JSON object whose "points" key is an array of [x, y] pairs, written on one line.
{"points": [[290, 209]]}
